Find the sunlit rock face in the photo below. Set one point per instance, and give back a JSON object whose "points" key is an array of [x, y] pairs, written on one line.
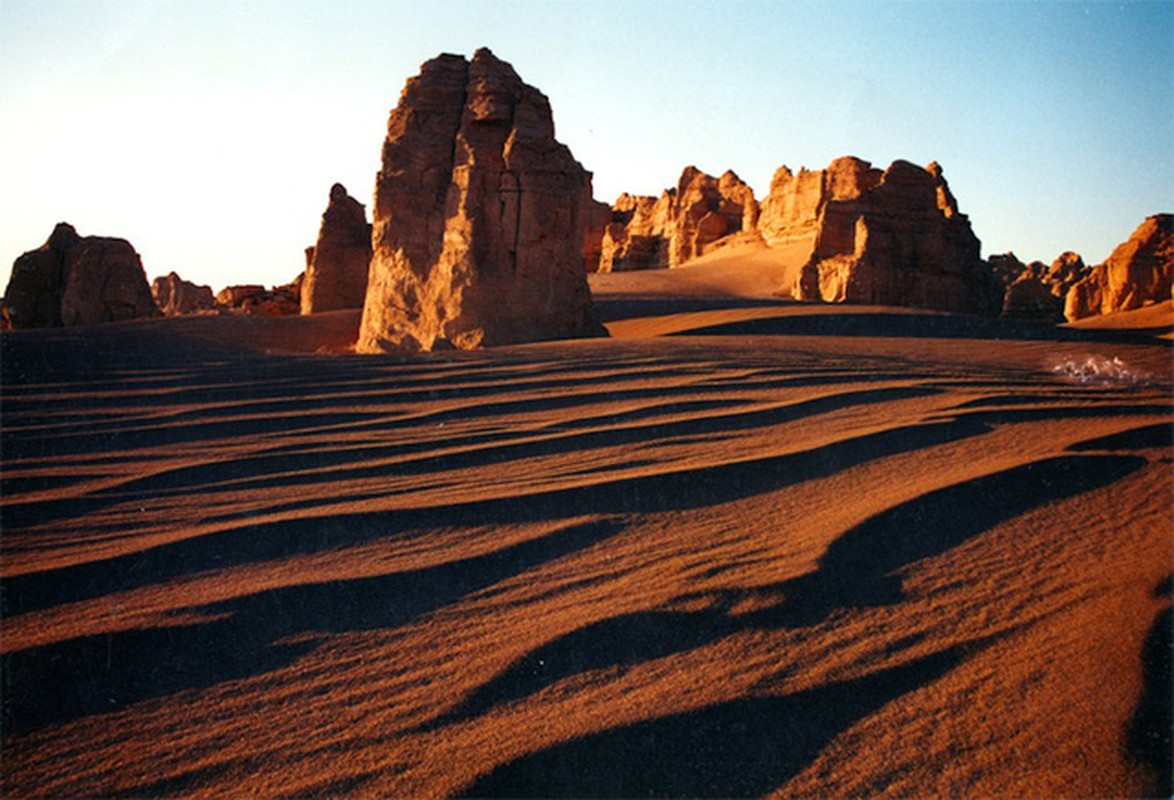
{"points": [[479, 217], [77, 280], [1137, 272], [336, 267], [892, 237], [683, 223]]}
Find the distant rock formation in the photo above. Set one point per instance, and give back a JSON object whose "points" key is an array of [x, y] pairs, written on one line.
{"points": [[174, 296], [336, 267], [652, 233], [279, 301], [478, 219], [77, 280], [1136, 273], [887, 238]]}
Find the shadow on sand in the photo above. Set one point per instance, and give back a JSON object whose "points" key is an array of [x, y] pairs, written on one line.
{"points": [[1149, 735], [845, 322], [245, 544], [755, 743], [744, 748], [95, 674]]}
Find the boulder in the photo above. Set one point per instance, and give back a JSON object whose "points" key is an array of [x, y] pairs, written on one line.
{"points": [[336, 267], [478, 231], [887, 238], [1135, 274], [77, 280], [175, 296]]}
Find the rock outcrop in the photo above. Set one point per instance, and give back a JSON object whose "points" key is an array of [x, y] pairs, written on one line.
{"points": [[1136, 273], [478, 218], [255, 299], [336, 267], [77, 280], [888, 238], [174, 296], [652, 233]]}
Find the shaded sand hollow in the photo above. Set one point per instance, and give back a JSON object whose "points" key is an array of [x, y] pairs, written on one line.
{"points": [[743, 547]]}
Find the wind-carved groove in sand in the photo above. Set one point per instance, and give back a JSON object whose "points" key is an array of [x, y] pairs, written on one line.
{"points": [[665, 492], [105, 672], [456, 454], [860, 569]]}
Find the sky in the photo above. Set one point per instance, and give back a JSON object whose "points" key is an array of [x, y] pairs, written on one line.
{"points": [[208, 132]]}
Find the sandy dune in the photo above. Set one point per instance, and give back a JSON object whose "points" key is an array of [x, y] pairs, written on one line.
{"points": [[743, 547]]}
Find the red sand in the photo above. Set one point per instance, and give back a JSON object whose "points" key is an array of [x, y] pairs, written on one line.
{"points": [[741, 548]]}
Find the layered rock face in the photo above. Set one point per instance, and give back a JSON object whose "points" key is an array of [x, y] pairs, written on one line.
{"points": [[1136, 273], [652, 233], [886, 238], [174, 296], [336, 267], [478, 220], [77, 280]]}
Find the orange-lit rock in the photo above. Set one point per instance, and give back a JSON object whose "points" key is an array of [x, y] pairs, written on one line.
{"points": [[336, 267], [651, 233], [889, 238], [1135, 274], [478, 219]]}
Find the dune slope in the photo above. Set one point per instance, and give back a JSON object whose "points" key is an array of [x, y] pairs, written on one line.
{"points": [[743, 547]]}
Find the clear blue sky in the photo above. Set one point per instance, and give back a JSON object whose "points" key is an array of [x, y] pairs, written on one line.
{"points": [[209, 133]]}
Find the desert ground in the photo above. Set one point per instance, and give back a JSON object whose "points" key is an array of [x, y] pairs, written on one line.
{"points": [[744, 546]]}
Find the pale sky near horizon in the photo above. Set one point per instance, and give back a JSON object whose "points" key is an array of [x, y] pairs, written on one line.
{"points": [[208, 133]]}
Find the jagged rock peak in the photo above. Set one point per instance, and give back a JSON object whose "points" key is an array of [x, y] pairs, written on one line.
{"points": [[336, 266]]}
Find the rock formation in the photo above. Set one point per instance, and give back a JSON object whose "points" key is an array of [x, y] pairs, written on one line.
{"points": [[478, 219], [889, 238], [1135, 274], [651, 233], [77, 280], [336, 267], [279, 301], [175, 296]]}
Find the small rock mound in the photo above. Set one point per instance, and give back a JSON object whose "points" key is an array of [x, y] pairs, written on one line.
{"points": [[77, 280]]}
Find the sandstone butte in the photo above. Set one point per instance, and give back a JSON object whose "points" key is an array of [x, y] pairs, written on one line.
{"points": [[336, 267], [1137, 272], [77, 280], [175, 296], [479, 217]]}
